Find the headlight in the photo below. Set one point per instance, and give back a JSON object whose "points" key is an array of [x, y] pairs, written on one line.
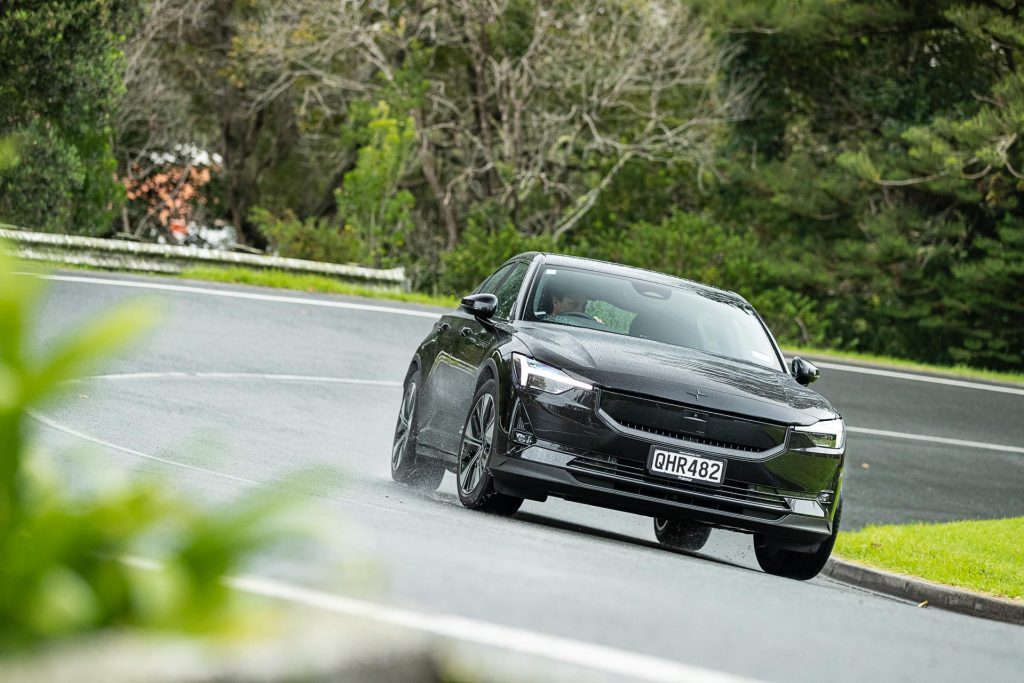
{"points": [[825, 434], [533, 374]]}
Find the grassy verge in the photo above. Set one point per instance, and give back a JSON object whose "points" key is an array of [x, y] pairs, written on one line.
{"points": [[985, 556], [962, 371], [310, 283]]}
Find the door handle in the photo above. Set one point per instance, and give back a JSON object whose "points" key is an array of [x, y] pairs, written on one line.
{"points": [[466, 332], [443, 327]]}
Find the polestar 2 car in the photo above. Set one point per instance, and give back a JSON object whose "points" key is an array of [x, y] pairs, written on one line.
{"points": [[630, 390]]}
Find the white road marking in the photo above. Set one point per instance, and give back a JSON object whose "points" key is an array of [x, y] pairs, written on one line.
{"points": [[579, 653], [935, 439], [920, 378], [587, 655], [244, 375], [53, 424], [232, 294]]}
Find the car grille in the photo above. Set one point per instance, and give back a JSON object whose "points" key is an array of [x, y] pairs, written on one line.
{"points": [[688, 438], [631, 476], [715, 430]]}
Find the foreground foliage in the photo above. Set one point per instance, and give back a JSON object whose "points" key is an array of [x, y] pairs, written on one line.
{"points": [[63, 541], [983, 555]]}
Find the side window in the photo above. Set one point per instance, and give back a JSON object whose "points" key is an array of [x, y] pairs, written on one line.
{"points": [[491, 283], [509, 290]]}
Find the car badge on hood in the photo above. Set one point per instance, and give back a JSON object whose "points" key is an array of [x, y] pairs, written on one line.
{"points": [[697, 394]]}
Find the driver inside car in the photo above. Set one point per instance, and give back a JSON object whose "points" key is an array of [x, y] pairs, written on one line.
{"points": [[566, 298], [570, 302]]}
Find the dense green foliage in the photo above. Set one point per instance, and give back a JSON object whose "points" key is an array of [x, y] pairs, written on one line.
{"points": [[884, 142], [64, 542], [61, 82], [854, 168]]}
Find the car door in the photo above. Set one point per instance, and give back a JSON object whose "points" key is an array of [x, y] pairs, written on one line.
{"points": [[472, 345], [462, 342]]}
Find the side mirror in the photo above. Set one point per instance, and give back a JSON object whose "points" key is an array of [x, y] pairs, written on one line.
{"points": [[482, 306], [804, 372]]}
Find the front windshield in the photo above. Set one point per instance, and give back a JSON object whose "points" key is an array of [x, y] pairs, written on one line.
{"points": [[694, 318]]}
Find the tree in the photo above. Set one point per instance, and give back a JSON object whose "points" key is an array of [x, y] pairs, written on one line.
{"points": [[61, 65], [557, 98], [884, 141]]}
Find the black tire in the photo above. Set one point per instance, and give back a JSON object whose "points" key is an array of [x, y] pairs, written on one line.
{"points": [[408, 467], [681, 534], [793, 564], [479, 440]]}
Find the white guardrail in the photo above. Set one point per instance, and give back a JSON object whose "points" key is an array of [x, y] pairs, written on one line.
{"points": [[164, 258]]}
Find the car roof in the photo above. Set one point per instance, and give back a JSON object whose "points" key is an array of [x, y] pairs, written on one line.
{"points": [[625, 271]]}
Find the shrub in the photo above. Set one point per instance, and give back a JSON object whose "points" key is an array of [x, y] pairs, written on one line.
{"points": [[795, 319], [687, 245], [61, 67], [480, 251], [315, 239], [38, 192]]}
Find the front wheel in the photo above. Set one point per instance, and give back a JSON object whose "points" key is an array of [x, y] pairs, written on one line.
{"points": [[475, 484], [681, 534], [793, 564], [407, 467]]}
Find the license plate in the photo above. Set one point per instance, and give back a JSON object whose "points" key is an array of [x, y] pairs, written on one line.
{"points": [[686, 466]]}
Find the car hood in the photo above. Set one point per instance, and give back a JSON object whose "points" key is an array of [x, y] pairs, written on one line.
{"points": [[669, 372]]}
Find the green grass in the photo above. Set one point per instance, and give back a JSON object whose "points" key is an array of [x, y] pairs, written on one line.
{"points": [[962, 371], [985, 556], [310, 283]]}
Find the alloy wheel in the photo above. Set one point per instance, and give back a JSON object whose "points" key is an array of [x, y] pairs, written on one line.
{"points": [[476, 444], [404, 423]]}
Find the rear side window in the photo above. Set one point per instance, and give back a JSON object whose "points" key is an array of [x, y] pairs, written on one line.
{"points": [[509, 290], [489, 285]]}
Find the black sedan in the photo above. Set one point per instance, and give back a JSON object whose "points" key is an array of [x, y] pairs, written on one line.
{"points": [[630, 390]]}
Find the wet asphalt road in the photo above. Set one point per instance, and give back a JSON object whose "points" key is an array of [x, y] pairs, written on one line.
{"points": [[555, 568]]}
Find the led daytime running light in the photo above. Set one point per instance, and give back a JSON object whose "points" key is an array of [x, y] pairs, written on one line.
{"points": [[536, 375], [825, 434]]}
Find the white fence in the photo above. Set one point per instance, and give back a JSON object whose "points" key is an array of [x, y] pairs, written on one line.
{"points": [[162, 258]]}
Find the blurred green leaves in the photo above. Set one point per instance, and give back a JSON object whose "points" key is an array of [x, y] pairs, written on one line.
{"points": [[64, 543]]}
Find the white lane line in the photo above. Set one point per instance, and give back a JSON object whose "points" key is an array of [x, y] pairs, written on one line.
{"points": [[106, 444], [53, 424], [920, 378], [251, 296], [575, 652], [935, 439], [244, 375]]}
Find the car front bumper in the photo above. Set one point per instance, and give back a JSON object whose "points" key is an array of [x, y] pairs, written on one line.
{"points": [[576, 452]]}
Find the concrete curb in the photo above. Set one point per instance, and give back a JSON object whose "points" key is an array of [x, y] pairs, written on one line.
{"points": [[921, 591]]}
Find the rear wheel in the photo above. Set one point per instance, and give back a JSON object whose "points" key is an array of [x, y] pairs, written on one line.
{"points": [[793, 564], [475, 484], [407, 467], [681, 534]]}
